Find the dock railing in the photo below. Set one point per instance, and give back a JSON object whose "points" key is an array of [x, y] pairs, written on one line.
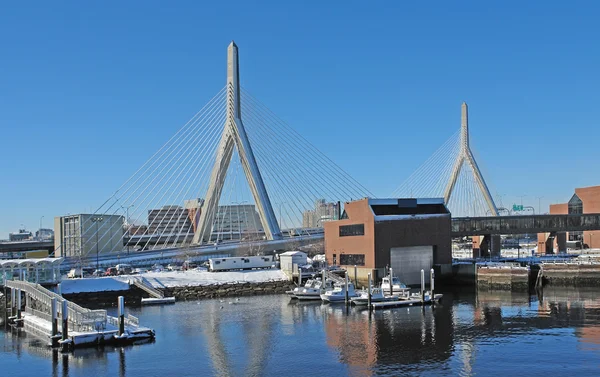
{"points": [[80, 318], [147, 287]]}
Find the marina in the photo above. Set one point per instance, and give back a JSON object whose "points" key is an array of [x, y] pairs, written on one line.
{"points": [[263, 336]]}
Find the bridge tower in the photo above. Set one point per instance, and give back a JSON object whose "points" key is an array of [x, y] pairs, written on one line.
{"points": [[465, 156], [234, 135]]}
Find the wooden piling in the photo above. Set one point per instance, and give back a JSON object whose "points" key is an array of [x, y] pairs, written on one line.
{"points": [[54, 310], [13, 298], [355, 277], [346, 295], [369, 295], [18, 304], [432, 286], [65, 320], [121, 309], [422, 285], [391, 282]]}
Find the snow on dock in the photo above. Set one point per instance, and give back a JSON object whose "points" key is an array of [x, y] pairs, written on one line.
{"points": [[99, 284]]}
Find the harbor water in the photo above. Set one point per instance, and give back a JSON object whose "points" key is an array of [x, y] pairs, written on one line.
{"points": [[556, 332]]}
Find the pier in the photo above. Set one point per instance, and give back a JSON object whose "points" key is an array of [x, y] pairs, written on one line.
{"points": [[62, 323]]}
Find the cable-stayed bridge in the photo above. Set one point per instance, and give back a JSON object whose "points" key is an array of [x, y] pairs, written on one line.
{"points": [[235, 172], [452, 173], [238, 179]]}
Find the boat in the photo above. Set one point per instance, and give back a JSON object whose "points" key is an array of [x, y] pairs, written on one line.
{"points": [[313, 292], [338, 293], [292, 293], [376, 296], [398, 286]]}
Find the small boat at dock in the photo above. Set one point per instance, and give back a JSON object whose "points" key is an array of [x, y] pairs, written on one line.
{"points": [[314, 291], [338, 293], [396, 284], [292, 293]]}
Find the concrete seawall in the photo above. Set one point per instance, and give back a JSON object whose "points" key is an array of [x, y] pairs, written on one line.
{"points": [[571, 274], [511, 278]]}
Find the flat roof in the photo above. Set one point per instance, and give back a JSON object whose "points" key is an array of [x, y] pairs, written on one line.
{"points": [[35, 261], [394, 201]]}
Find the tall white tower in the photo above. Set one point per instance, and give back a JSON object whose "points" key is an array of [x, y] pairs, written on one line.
{"points": [[234, 135], [465, 156]]}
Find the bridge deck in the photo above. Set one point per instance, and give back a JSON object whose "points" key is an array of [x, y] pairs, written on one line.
{"points": [[471, 226]]}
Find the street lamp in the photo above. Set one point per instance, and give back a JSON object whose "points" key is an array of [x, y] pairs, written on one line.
{"points": [[128, 225], [97, 220], [539, 198], [40, 232]]}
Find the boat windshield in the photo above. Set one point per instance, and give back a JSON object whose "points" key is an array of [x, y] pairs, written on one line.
{"points": [[397, 281]]}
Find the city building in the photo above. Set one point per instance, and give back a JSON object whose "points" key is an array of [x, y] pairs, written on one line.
{"points": [[237, 221], [323, 212], [169, 219], [234, 221], [87, 234], [137, 230], [21, 235], [44, 234], [405, 234], [194, 208], [584, 200]]}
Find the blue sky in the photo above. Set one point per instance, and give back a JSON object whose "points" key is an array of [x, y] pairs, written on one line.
{"points": [[89, 90]]}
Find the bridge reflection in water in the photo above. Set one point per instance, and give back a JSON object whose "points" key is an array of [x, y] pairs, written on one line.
{"points": [[268, 335]]}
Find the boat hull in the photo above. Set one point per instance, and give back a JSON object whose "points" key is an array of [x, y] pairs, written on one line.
{"points": [[308, 296]]}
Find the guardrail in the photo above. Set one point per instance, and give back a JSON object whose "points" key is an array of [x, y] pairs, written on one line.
{"points": [[140, 283]]}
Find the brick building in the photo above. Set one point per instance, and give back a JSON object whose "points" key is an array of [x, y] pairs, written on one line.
{"points": [[406, 234], [584, 200]]}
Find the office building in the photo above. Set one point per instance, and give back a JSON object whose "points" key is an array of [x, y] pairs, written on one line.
{"points": [[84, 235]]}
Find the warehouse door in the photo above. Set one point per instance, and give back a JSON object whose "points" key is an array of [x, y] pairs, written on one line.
{"points": [[407, 263]]}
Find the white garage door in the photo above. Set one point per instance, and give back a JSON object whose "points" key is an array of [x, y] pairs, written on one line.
{"points": [[407, 263]]}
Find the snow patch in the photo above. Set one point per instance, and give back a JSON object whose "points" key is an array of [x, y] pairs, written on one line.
{"points": [[167, 279], [93, 285]]}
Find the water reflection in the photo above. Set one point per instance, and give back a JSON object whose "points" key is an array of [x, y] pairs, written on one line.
{"points": [[257, 336]]}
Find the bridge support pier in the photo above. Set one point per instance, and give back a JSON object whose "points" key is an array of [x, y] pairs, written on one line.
{"points": [[561, 240], [495, 245]]}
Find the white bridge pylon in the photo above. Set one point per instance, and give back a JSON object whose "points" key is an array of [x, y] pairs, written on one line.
{"points": [[452, 173], [234, 136], [465, 156]]}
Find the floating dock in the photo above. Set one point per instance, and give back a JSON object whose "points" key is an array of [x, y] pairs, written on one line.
{"points": [[43, 310], [409, 302]]}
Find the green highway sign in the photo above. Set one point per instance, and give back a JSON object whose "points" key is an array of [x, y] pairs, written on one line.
{"points": [[517, 207]]}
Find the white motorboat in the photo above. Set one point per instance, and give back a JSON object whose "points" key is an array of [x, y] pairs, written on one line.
{"points": [[363, 299], [398, 286], [313, 292], [309, 283], [338, 293]]}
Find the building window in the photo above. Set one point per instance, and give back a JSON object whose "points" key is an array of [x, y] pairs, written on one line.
{"points": [[352, 230], [352, 259]]}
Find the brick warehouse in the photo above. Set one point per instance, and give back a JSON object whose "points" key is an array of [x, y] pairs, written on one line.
{"points": [[406, 234]]}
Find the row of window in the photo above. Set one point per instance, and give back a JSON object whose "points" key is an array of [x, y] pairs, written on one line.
{"points": [[352, 230]]}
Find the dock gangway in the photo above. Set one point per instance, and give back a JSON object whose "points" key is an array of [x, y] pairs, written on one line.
{"points": [[147, 287], [39, 304]]}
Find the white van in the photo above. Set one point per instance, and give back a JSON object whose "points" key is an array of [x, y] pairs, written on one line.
{"points": [[124, 269]]}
